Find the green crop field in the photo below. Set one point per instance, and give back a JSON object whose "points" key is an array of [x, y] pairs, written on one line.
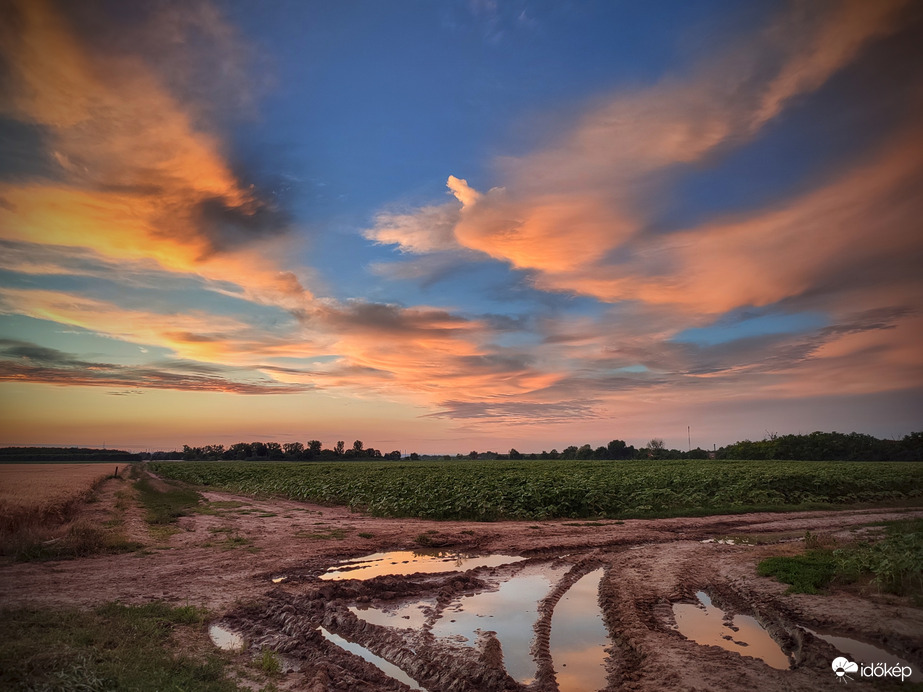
{"points": [[491, 490]]}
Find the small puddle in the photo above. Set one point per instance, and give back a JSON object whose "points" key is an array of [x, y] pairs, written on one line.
{"points": [[225, 639], [412, 615], [863, 653], [511, 612], [401, 562], [704, 624], [386, 667], [579, 637]]}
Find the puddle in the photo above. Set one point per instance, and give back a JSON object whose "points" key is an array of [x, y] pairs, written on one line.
{"points": [[511, 612], [386, 667], [400, 562], [704, 624], [579, 637], [412, 615], [861, 652], [225, 638]]}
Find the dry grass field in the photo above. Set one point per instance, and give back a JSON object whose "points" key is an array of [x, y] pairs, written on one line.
{"points": [[43, 495]]}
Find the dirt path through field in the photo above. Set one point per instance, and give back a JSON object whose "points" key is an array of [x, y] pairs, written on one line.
{"points": [[226, 559]]}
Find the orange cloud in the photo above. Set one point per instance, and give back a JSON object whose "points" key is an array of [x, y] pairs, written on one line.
{"points": [[834, 238], [563, 209], [138, 176]]}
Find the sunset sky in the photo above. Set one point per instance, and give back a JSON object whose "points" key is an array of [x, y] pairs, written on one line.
{"points": [[450, 225]]}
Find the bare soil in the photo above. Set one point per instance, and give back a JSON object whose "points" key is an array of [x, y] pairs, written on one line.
{"points": [[226, 560]]}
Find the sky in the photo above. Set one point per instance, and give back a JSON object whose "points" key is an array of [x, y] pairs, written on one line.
{"points": [[446, 225]]}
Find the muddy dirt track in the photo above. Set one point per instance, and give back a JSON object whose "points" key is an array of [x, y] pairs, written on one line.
{"points": [[227, 560]]}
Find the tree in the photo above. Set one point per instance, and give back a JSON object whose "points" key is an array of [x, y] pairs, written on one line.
{"points": [[340, 448], [239, 451], [357, 448], [515, 454], [585, 452], [655, 448], [414, 456], [619, 450], [314, 449], [293, 450], [395, 455], [569, 453], [472, 454], [274, 450]]}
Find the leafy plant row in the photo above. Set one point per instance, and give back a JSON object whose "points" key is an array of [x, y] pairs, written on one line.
{"points": [[494, 490]]}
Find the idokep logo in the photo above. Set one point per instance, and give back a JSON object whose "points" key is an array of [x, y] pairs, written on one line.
{"points": [[843, 666]]}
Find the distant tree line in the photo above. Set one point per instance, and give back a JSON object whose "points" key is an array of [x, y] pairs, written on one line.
{"points": [[54, 454], [816, 446], [288, 451], [832, 446]]}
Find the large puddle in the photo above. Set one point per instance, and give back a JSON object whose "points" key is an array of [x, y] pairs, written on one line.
{"points": [[863, 653], [510, 611], [402, 562], [579, 637], [705, 623], [384, 666]]}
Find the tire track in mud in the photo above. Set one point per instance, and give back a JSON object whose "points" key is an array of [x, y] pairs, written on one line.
{"points": [[541, 647], [639, 586], [649, 565]]}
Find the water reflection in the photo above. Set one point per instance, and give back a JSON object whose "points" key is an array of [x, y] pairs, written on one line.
{"points": [[411, 615], [861, 652], [386, 667], [704, 624], [510, 611], [225, 639], [579, 637], [400, 562]]}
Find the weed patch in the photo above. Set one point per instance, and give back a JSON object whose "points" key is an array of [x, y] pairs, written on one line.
{"points": [[268, 662], [807, 573], [166, 506], [894, 562]]}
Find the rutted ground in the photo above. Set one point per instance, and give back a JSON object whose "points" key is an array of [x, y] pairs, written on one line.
{"points": [[226, 560]]}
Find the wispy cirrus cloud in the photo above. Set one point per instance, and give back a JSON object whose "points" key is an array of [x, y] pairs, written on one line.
{"points": [[26, 362], [577, 216]]}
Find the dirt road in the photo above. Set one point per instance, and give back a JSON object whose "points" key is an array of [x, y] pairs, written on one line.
{"points": [[226, 560]]}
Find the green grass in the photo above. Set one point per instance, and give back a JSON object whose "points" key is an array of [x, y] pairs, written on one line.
{"points": [[113, 647], [268, 662], [894, 563], [807, 573], [165, 507], [491, 490]]}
